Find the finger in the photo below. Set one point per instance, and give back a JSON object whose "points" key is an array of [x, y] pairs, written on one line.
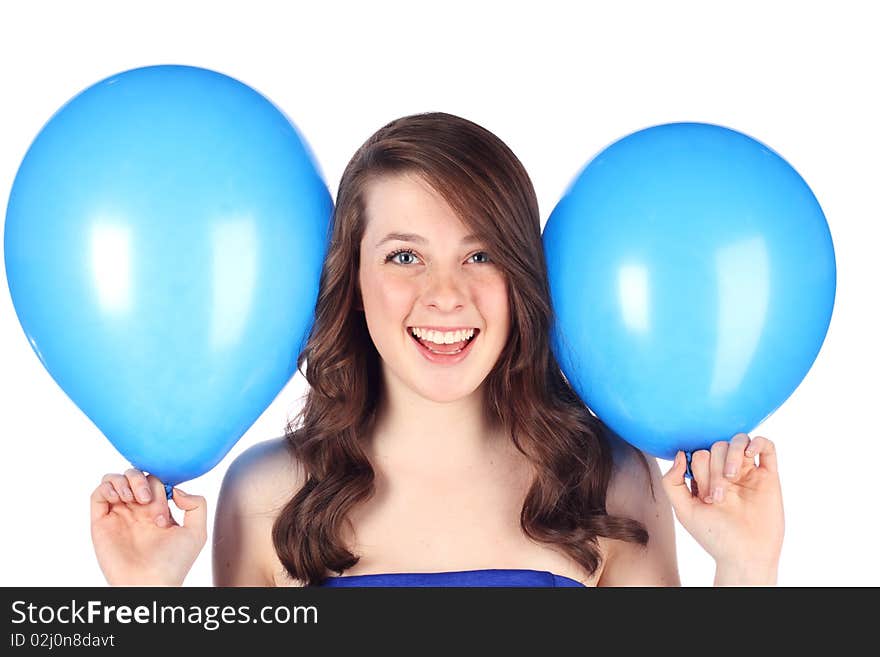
{"points": [[195, 511], [766, 452], [98, 504], [733, 464], [138, 482], [700, 470], [675, 485], [120, 485], [159, 508], [717, 459], [109, 492]]}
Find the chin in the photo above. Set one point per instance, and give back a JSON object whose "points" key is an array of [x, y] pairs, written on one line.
{"points": [[446, 395]]}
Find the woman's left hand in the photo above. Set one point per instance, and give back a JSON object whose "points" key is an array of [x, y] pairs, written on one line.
{"points": [[734, 507]]}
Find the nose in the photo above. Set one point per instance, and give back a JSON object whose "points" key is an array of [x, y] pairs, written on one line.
{"points": [[444, 291]]}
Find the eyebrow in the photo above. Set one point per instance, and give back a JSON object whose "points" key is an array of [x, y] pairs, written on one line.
{"points": [[418, 239]]}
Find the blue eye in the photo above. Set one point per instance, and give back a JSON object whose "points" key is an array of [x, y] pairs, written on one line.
{"points": [[398, 252]]}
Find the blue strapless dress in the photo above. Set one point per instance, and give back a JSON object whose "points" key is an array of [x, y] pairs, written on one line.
{"points": [[487, 577]]}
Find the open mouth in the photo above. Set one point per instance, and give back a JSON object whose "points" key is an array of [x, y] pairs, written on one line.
{"points": [[449, 349]]}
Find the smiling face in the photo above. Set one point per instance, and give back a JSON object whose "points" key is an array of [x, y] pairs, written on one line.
{"points": [[419, 271]]}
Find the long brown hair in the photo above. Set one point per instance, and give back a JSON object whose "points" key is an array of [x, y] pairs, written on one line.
{"points": [[487, 186]]}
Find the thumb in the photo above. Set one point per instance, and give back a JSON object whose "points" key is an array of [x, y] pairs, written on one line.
{"points": [[676, 488], [195, 511]]}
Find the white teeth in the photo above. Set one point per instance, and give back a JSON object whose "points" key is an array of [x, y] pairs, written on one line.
{"points": [[447, 337]]}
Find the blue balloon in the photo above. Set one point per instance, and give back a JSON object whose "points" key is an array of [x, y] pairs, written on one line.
{"points": [[163, 246], [693, 277]]}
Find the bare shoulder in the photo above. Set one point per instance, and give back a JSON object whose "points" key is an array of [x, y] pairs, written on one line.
{"points": [[636, 492], [264, 477], [256, 487], [635, 481]]}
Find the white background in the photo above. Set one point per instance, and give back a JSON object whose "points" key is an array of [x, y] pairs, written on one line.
{"points": [[557, 82]]}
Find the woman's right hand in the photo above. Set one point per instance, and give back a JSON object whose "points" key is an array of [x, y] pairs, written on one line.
{"points": [[137, 541]]}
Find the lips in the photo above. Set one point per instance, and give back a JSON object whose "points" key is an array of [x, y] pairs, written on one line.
{"points": [[434, 353], [446, 348]]}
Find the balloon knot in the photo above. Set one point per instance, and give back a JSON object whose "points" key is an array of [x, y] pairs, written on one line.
{"points": [[688, 473]]}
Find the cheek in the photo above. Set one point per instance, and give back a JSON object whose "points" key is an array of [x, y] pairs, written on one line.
{"points": [[388, 295], [494, 304]]}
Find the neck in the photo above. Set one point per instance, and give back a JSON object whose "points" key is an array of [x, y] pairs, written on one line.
{"points": [[420, 433]]}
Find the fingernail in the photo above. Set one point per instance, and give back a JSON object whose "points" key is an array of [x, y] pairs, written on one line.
{"points": [[749, 452], [708, 499], [160, 520], [718, 494], [730, 474], [143, 494]]}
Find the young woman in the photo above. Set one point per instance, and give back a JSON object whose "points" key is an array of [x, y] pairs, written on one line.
{"points": [[439, 442]]}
